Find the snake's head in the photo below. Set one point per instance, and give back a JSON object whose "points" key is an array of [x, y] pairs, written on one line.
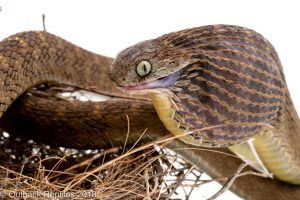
{"points": [[147, 65]]}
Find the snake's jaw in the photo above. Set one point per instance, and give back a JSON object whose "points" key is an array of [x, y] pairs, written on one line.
{"points": [[158, 86], [163, 82]]}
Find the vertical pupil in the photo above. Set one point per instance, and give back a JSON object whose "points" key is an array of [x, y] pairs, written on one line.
{"points": [[145, 68]]}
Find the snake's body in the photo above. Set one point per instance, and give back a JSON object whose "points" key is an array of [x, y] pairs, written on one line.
{"points": [[219, 75], [223, 76]]}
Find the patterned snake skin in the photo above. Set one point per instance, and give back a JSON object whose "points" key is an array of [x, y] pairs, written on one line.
{"points": [[31, 58], [225, 77]]}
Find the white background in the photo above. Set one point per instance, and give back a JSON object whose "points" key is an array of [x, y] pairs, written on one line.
{"points": [[106, 27]]}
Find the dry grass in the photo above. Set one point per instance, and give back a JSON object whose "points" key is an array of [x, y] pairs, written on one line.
{"points": [[29, 170]]}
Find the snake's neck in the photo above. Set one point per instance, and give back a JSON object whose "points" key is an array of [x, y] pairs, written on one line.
{"points": [[169, 114], [166, 111]]}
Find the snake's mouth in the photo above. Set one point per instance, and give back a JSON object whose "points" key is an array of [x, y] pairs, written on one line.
{"points": [[160, 83]]}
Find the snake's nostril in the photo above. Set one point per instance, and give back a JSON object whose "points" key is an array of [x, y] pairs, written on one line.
{"points": [[123, 79]]}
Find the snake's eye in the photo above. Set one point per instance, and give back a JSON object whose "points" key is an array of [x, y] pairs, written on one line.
{"points": [[143, 68]]}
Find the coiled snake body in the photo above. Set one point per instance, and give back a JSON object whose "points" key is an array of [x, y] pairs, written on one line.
{"points": [[225, 77]]}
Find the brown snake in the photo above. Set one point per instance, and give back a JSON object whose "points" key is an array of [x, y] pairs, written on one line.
{"points": [[225, 77], [207, 76]]}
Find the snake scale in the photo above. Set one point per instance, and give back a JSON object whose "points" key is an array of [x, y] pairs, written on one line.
{"points": [[220, 76]]}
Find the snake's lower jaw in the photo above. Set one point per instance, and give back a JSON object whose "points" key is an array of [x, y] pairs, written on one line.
{"points": [[140, 91]]}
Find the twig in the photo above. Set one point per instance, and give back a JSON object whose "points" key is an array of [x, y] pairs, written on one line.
{"points": [[250, 172], [180, 179], [96, 156], [127, 135], [229, 182], [44, 23], [146, 176], [194, 186], [141, 136]]}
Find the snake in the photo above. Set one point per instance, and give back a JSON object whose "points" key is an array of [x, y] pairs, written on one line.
{"points": [[214, 86], [225, 77]]}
